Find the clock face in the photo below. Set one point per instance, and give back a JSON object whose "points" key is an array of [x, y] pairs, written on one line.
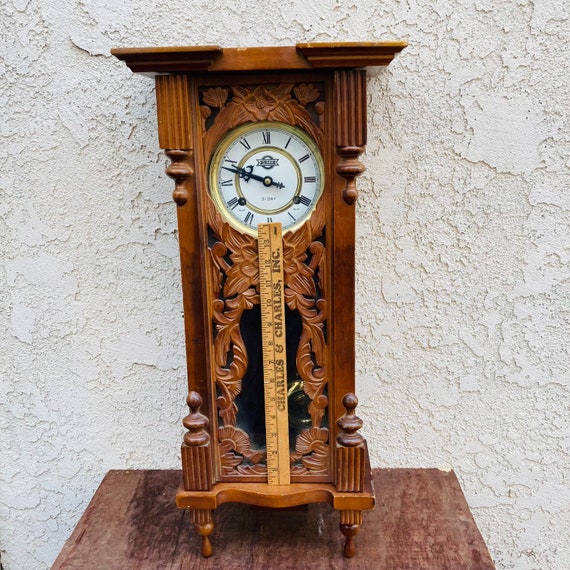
{"points": [[266, 172]]}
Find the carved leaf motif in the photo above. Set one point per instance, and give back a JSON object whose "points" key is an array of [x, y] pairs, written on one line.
{"points": [[236, 241], [322, 272], [306, 93], [234, 269], [229, 339], [234, 278], [292, 112], [230, 461], [301, 295], [227, 235], [252, 469], [317, 462], [233, 439], [255, 456], [301, 281], [217, 265], [234, 446], [261, 103], [216, 97], [310, 354], [312, 445], [299, 275], [298, 470], [224, 330], [227, 408], [229, 116], [244, 271], [310, 231], [309, 439], [243, 302]]}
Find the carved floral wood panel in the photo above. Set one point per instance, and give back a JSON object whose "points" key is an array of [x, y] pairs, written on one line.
{"points": [[234, 281]]}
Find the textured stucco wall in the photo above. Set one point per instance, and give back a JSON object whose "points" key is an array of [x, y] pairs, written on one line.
{"points": [[463, 282]]}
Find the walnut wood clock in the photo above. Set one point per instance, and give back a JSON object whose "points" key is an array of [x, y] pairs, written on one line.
{"points": [[260, 136]]}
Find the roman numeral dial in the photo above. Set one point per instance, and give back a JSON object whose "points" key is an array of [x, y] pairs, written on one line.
{"points": [[266, 171]]}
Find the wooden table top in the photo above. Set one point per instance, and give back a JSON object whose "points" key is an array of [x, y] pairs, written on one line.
{"points": [[421, 521]]}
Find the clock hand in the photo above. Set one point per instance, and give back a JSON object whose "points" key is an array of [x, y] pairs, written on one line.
{"points": [[246, 173]]}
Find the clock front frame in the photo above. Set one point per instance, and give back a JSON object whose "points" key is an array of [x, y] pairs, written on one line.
{"points": [[219, 105]]}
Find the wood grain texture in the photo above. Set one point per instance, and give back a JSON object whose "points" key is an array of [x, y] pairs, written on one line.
{"points": [[173, 111], [197, 467], [196, 450], [350, 93], [351, 127], [183, 171], [350, 54], [187, 59], [351, 451], [422, 522], [168, 59], [350, 465]]}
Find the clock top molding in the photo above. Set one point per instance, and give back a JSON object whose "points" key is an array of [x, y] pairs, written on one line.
{"points": [[303, 56]]}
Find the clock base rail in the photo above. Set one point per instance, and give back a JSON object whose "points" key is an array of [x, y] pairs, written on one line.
{"points": [[202, 504]]}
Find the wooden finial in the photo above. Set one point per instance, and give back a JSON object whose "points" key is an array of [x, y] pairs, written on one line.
{"points": [[350, 168], [350, 423], [180, 171], [195, 422]]}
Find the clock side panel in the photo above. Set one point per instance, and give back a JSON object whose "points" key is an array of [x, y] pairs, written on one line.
{"points": [[350, 132], [177, 108]]}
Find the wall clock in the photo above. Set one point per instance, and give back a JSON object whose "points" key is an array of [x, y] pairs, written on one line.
{"points": [[262, 136]]}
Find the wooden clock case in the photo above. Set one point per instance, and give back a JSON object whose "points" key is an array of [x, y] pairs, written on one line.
{"points": [[202, 93]]}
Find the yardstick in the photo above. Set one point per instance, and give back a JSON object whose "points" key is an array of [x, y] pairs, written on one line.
{"points": [[271, 285]]}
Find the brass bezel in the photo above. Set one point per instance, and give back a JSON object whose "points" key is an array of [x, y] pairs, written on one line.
{"points": [[240, 131]]}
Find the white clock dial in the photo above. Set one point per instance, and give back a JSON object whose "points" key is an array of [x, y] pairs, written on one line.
{"points": [[266, 172]]}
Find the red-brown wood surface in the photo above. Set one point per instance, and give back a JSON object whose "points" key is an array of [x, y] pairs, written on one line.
{"points": [[188, 59], [421, 522]]}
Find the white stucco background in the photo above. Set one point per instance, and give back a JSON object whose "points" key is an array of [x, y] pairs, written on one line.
{"points": [[463, 281]]}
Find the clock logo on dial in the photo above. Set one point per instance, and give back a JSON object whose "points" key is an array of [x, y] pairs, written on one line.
{"points": [[266, 172], [267, 162]]}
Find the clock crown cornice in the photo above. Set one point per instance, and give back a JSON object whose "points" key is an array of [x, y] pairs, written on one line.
{"points": [[188, 59]]}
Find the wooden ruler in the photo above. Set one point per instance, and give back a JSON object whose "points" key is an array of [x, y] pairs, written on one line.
{"points": [[271, 285]]}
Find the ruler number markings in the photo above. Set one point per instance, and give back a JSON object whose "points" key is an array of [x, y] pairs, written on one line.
{"points": [[274, 362]]}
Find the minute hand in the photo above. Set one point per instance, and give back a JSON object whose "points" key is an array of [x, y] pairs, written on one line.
{"points": [[246, 173]]}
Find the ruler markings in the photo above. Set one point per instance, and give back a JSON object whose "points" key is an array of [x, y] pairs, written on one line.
{"points": [[271, 285]]}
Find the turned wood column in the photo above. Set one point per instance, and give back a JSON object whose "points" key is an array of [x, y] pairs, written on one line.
{"points": [[175, 133]]}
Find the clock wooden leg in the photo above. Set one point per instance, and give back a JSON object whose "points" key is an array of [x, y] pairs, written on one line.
{"points": [[350, 523], [204, 525]]}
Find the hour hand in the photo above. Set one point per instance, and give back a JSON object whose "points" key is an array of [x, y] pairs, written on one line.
{"points": [[247, 173], [234, 169]]}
